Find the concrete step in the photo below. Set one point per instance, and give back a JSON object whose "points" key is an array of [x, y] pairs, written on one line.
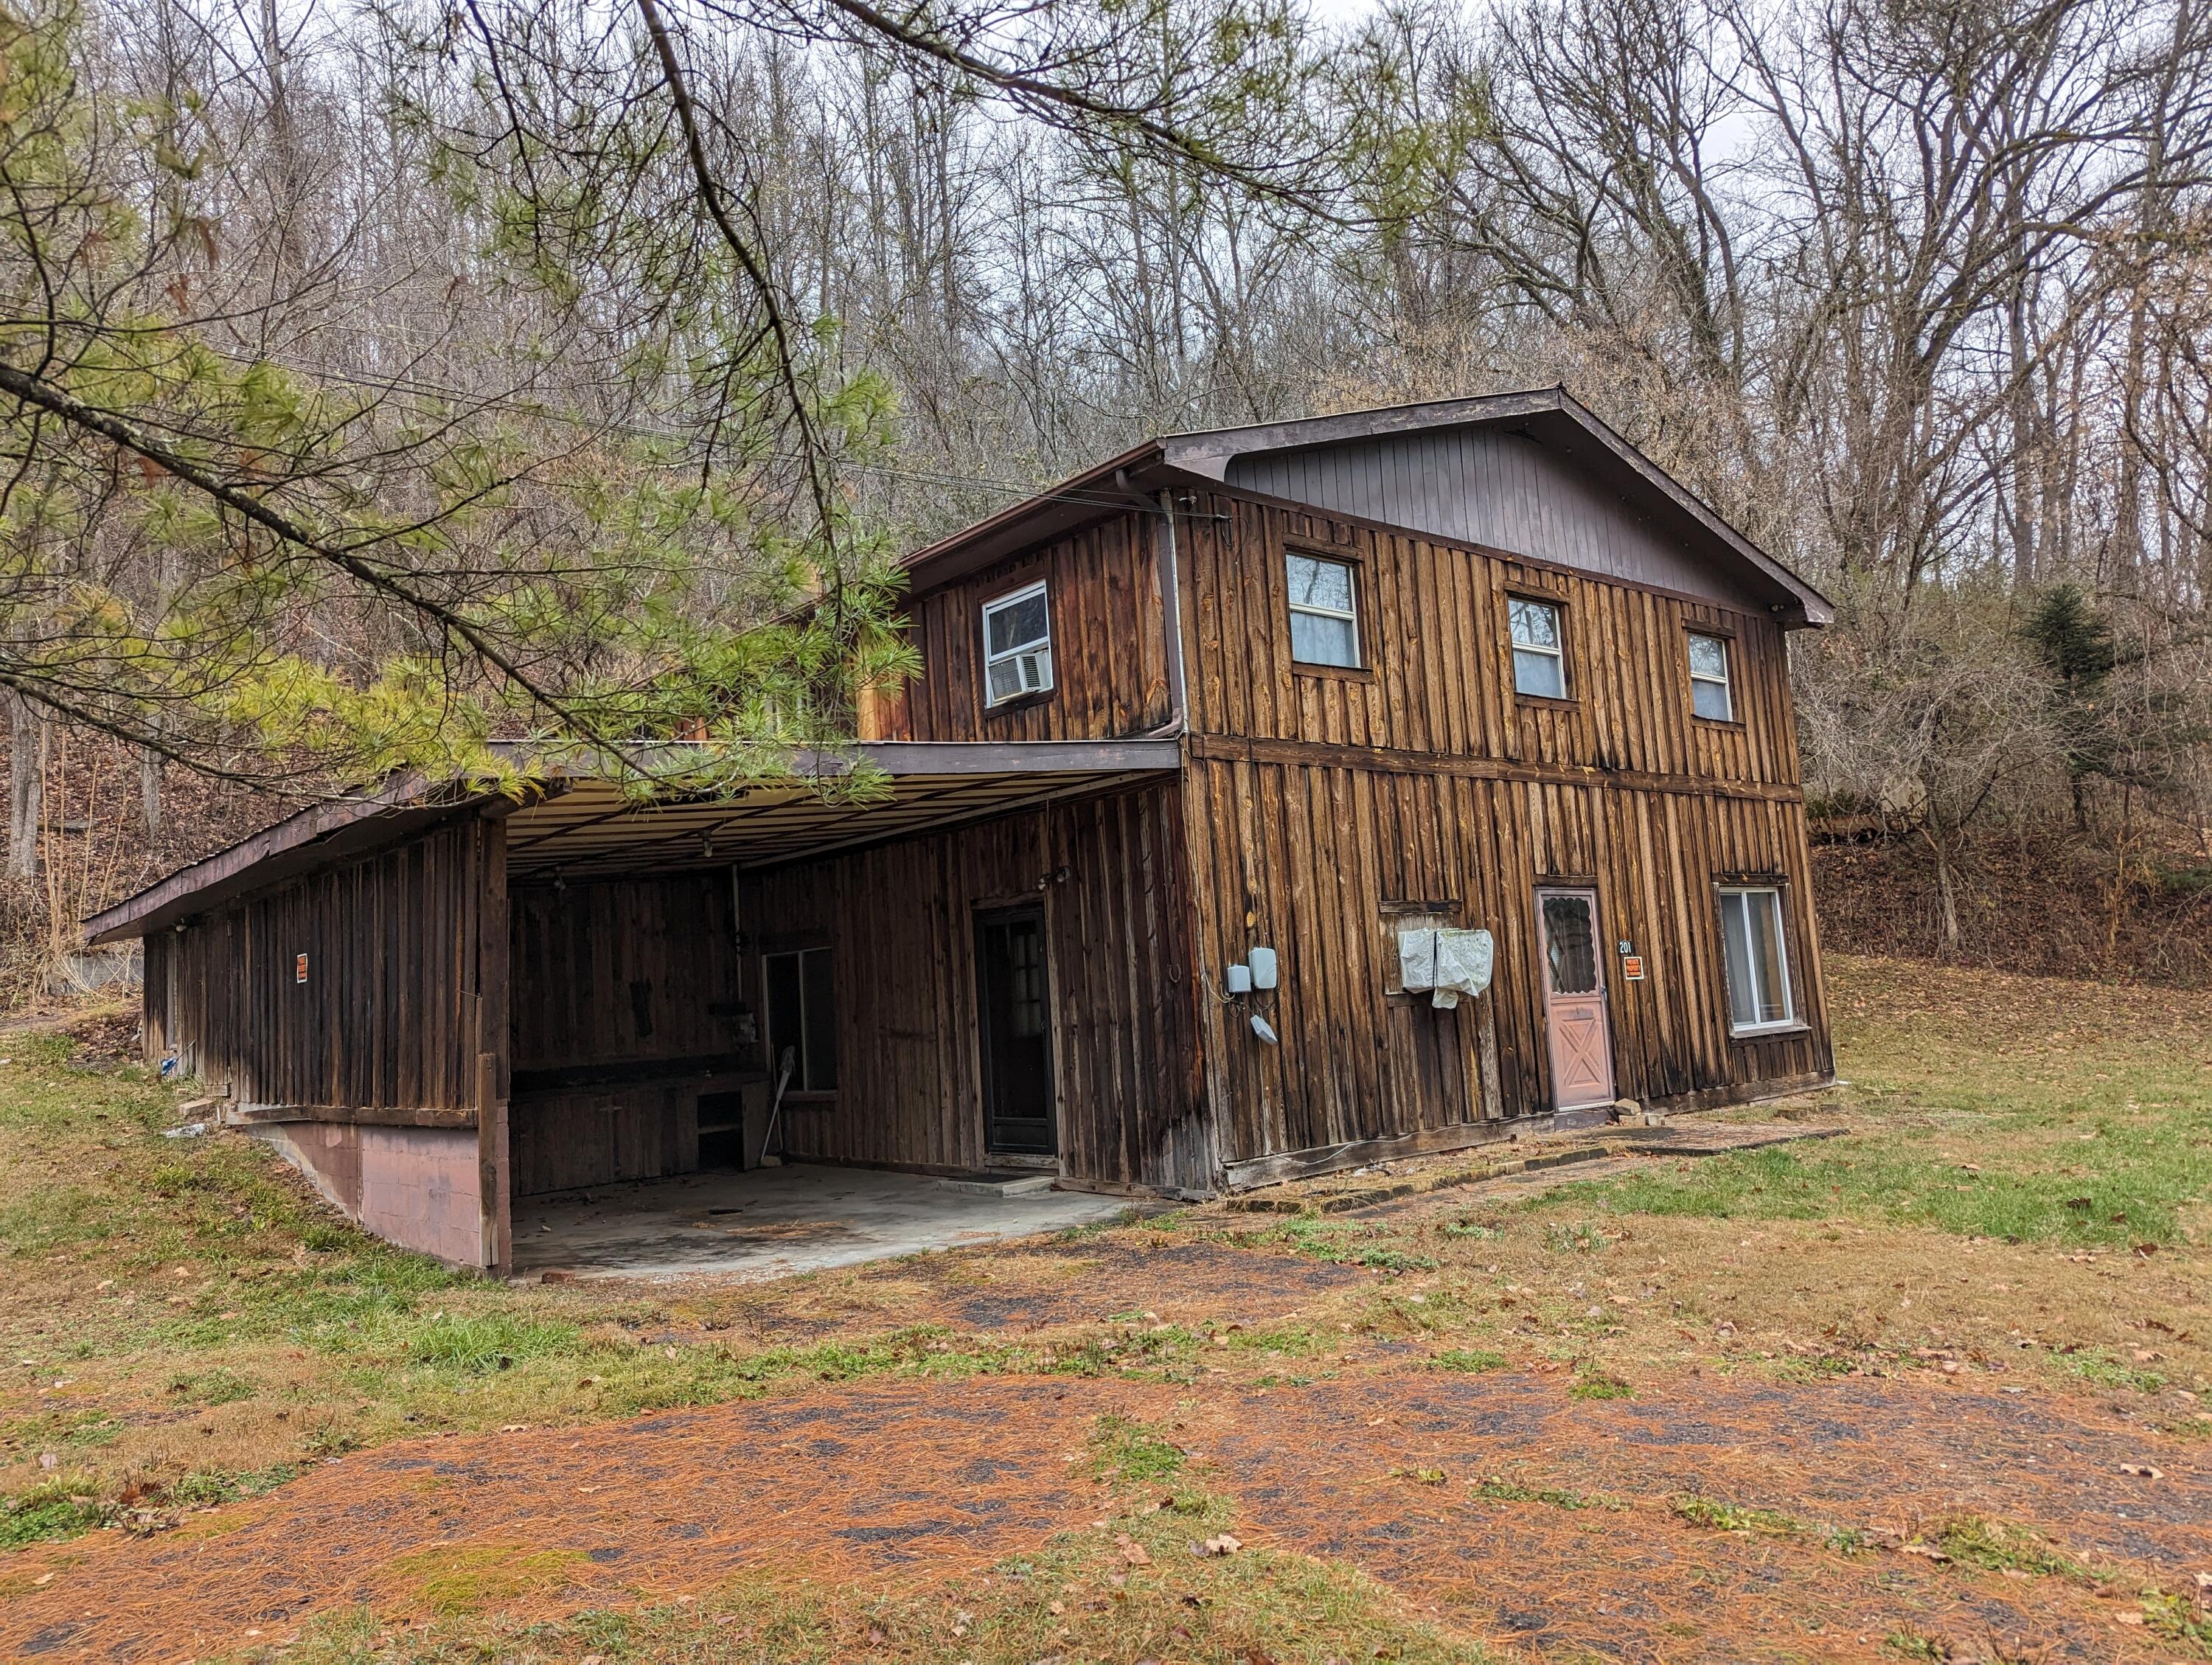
{"points": [[999, 1185]]}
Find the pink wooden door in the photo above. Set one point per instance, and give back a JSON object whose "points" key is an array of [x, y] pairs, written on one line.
{"points": [[1574, 999]]}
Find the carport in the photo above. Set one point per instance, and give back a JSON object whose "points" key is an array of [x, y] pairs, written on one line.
{"points": [[465, 1016]]}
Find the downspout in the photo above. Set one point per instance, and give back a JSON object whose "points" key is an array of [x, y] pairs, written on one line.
{"points": [[1170, 580], [1169, 567]]}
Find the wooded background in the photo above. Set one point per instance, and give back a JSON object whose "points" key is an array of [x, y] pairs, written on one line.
{"points": [[1916, 293]]}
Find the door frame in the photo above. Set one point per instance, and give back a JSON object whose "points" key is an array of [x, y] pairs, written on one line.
{"points": [[1603, 992], [982, 915]]}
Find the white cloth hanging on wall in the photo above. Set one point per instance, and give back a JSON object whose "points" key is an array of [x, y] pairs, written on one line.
{"points": [[1446, 961]]}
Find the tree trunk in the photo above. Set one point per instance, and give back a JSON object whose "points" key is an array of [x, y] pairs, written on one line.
{"points": [[1946, 886], [27, 786], [150, 791], [1947, 903]]}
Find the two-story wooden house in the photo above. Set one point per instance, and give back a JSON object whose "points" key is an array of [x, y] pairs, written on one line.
{"points": [[1299, 689]]}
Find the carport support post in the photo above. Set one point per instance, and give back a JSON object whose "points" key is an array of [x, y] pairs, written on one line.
{"points": [[494, 1169]]}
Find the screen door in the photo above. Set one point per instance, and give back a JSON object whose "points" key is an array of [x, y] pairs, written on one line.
{"points": [[1575, 1022]]}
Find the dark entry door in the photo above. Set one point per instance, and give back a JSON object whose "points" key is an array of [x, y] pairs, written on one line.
{"points": [[1574, 1000], [1017, 1032]]}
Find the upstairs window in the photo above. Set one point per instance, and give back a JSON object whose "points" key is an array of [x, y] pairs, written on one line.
{"points": [[1540, 659], [1709, 694], [1017, 645], [802, 1017], [1757, 963], [1324, 612]]}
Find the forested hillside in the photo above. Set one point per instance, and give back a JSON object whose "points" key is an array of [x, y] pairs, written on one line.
{"points": [[379, 380]]}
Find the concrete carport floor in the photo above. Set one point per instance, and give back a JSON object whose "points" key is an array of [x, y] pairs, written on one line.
{"points": [[773, 1222]]}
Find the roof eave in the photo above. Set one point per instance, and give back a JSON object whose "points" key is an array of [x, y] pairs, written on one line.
{"points": [[1111, 488], [323, 833], [298, 844]]}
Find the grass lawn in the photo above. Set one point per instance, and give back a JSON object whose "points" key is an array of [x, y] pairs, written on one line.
{"points": [[2020, 1199]]}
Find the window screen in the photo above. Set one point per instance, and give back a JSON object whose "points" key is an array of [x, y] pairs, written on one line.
{"points": [[1569, 944], [802, 1017], [1017, 645], [1324, 610], [1709, 694], [1539, 663], [1758, 964]]}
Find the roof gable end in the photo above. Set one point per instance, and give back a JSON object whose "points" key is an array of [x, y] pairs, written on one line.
{"points": [[1530, 474]]}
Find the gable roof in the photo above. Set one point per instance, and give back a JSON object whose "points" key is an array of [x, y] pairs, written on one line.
{"points": [[1231, 457]]}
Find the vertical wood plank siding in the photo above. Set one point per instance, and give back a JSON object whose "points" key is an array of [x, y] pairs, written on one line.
{"points": [[1439, 678], [610, 972], [899, 919], [623, 970], [388, 1016], [1316, 797], [1110, 666]]}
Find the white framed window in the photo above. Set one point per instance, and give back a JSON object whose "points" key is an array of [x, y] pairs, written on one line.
{"points": [[799, 994], [1324, 610], [1709, 693], [1017, 645], [1756, 958], [1540, 656]]}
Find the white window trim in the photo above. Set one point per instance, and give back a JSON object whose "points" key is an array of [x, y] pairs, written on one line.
{"points": [[1788, 1018], [1726, 680], [1346, 615], [998, 604], [1514, 645]]}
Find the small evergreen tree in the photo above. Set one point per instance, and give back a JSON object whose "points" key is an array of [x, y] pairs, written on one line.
{"points": [[2074, 641]]}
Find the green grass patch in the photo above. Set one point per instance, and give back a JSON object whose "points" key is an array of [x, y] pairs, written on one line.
{"points": [[1717, 1517], [1394, 1260], [479, 1344], [2016, 1126], [1321, 1237], [456, 1579], [1814, 1367], [1596, 1384], [1494, 1489], [1132, 1453], [2176, 1619], [206, 1488], [61, 1507], [1473, 1361], [208, 1388], [83, 1431], [1284, 1342], [2097, 1366], [1313, 1235], [2000, 1546]]}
